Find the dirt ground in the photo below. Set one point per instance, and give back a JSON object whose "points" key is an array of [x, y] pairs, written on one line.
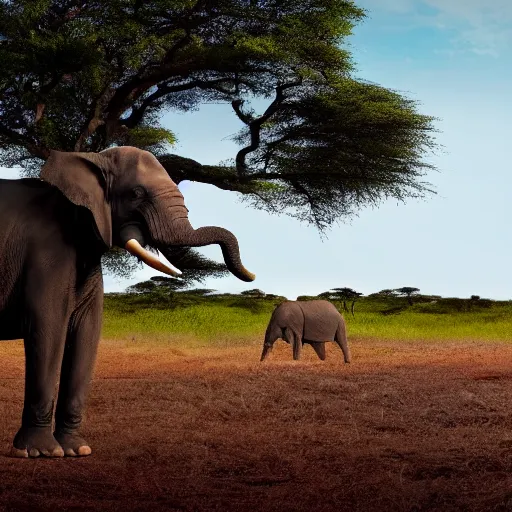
{"points": [[409, 426]]}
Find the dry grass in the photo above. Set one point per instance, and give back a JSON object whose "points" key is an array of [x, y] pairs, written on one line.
{"points": [[408, 426]]}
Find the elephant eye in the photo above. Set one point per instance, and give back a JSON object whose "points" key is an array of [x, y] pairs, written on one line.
{"points": [[137, 193]]}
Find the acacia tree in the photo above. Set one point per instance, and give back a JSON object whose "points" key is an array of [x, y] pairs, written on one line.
{"points": [[343, 295], [387, 293], [255, 292], [80, 75], [407, 291]]}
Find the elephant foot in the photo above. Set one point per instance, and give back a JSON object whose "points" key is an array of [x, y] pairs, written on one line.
{"points": [[35, 442], [73, 445]]}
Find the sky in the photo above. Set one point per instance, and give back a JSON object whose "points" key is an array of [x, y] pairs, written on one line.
{"points": [[451, 56]]}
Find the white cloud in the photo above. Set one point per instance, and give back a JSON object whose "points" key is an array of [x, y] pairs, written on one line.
{"points": [[482, 26]]}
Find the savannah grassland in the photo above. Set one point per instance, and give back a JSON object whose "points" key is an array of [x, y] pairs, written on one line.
{"points": [[183, 416]]}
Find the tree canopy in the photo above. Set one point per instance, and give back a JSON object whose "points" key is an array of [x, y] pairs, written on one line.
{"points": [[81, 75], [407, 291], [343, 295], [194, 266]]}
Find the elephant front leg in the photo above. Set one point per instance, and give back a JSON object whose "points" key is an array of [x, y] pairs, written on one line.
{"points": [[76, 374], [43, 354]]}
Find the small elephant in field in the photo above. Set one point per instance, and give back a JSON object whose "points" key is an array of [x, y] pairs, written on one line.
{"points": [[313, 322]]}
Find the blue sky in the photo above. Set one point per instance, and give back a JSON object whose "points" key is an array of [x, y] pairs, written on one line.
{"points": [[451, 56]]}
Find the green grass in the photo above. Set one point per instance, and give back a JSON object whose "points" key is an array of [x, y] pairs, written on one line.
{"points": [[232, 320], [200, 321], [412, 325], [448, 318], [204, 322]]}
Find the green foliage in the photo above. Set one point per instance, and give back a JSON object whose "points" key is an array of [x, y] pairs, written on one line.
{"points": [[120, 263], [366, 142], [194, 266], [272, 296], [407, 291], [158, 286], [151, 138], [384, 293], [423, 304], [120, 63], [449, 305], [81, 76], [255, 292], [200, 291], [143, 287], [342, 295], [253, 306]]}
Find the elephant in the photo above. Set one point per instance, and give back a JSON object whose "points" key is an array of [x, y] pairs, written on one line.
{"points": [[313, 322], [54, 230]]}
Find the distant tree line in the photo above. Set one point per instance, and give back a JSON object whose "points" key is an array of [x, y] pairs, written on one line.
{"points": [[166, 292]]}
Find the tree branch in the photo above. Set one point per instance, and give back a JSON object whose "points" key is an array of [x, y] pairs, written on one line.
{"points": [[255, 124], [142, 81], [65, 13], [42, 93], [311, 202], [180, 169], [24, 141], [93, 119], [138, 113]]}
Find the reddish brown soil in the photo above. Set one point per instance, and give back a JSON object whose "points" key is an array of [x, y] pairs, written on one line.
{"points": [[408, 426]]}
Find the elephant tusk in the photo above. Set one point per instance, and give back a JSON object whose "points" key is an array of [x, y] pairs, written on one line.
{"points": [[133, 247]]}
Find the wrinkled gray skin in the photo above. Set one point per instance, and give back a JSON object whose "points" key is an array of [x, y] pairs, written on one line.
{"points": [[313, 322], [53, 232]]}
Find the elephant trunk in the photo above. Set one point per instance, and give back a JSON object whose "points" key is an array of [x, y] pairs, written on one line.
{"points": [[176, 231], [266, 351], [272, 333], [228, 244]]}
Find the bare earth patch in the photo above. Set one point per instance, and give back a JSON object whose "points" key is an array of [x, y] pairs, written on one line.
{"points": [[408, 426]]}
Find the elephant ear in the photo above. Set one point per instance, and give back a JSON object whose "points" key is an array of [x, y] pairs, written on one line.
{"points": [[83, 179]]}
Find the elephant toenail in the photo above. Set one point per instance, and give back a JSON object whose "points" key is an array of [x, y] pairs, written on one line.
{"points": [[34, 452], [15, 452], [84, 450], [58, 452]]}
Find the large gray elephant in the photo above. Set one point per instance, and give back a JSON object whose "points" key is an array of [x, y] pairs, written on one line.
{"points": [[53, 233], [313, 322]]}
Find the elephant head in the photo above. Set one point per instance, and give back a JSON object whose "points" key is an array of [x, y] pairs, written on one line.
{"points": [[135, 203]]}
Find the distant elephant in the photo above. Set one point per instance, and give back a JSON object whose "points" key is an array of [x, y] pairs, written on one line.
{"points": [[313, 322], [53, 233]]}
